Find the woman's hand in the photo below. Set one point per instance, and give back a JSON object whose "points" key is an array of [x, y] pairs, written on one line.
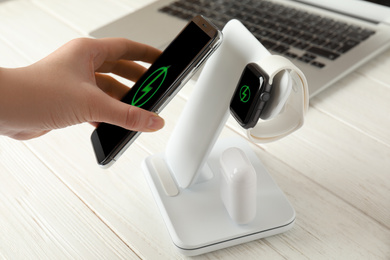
{"points": [[70, 86]]}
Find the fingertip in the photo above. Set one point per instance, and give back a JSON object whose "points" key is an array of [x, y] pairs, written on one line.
{"points": [[126, 116], [155, 123]]}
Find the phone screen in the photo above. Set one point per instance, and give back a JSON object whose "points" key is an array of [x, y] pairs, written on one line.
{"points": [[149, 92]]}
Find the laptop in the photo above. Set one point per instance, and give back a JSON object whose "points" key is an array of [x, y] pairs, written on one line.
{"points": [[325, 39]]}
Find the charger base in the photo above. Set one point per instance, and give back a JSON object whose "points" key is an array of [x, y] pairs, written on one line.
{"points": [[196, 218]]}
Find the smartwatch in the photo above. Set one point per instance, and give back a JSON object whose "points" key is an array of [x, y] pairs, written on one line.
{"points": [[266, 107], [251, 95]]}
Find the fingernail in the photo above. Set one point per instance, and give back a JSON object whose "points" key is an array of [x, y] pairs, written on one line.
{"points": [[155, 123]]}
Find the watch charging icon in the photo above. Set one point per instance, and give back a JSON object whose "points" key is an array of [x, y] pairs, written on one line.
{"points": [[149, 87], [245, 93]]}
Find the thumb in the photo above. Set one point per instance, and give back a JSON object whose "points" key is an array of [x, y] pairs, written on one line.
{"points": [[130, 117]]}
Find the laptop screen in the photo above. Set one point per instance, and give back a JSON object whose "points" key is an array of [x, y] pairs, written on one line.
{"points": [[380, 2]]}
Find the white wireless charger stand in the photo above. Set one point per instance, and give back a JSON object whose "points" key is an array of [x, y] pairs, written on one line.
{"points": [[186, 179]]}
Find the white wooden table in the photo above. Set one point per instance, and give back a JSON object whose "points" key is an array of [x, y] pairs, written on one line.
{"points": [[56, 203]]}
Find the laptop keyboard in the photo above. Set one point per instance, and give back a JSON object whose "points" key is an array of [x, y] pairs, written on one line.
{"points": [[293, 33]]}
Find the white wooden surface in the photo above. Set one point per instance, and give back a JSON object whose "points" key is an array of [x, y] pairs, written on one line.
{"points": [[56, 203]]}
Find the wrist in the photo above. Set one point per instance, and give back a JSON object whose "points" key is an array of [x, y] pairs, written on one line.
{"points": [[12, 85]]}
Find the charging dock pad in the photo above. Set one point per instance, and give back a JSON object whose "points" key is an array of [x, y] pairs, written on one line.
{"points": [[196, 218]]}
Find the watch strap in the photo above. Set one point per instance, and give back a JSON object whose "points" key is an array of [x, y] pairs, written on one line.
{"points": [[295, 107]]}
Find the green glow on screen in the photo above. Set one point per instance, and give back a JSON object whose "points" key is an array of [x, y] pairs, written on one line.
{"points": [[158, 75]]}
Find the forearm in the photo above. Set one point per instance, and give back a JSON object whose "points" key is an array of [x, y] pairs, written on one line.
{"points": [[12, 84], [18, 103], [6, 86]]}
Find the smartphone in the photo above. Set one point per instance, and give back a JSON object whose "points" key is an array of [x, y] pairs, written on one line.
{"points": [[159, 84]]}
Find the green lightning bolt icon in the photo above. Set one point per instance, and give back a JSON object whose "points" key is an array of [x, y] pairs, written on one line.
{"points": [[157, 76], [245, 93], [147, 89]]}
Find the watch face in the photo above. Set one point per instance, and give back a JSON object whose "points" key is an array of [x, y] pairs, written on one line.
{"points": [[250, 96]]}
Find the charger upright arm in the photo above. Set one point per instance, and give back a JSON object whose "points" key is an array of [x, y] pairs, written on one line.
{"points": [[207, 110]]}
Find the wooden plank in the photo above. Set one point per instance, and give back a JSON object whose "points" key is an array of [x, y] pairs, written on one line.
{"points": [[361, 102], [119, 195], [327, 225], [42, 219], [30, 31], [135, 4], [10, 58]]}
